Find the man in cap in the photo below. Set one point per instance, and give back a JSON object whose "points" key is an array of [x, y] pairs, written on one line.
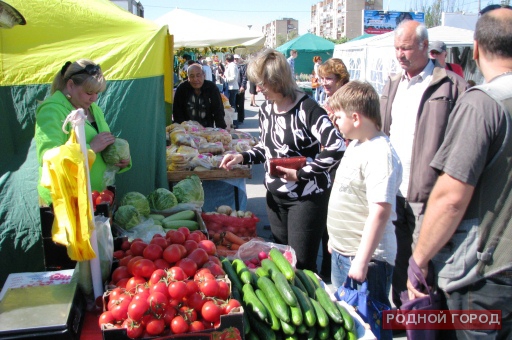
{"points": [[437, 51]]}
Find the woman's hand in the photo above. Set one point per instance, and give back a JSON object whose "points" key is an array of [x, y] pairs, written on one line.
{"points": [[289, 174], [101, 141], [231, 159], [123, 163]]}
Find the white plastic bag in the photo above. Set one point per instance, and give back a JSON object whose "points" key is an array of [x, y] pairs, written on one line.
{"points": [[252, 248]]}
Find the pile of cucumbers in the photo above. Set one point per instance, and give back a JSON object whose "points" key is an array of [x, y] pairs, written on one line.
{"points": [[281, 302]]}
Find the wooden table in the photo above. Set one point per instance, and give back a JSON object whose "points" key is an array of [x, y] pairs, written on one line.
{"points": [[212, 175]]}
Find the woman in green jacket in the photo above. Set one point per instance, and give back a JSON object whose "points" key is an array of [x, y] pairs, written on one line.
{"points": [[75, 86]]}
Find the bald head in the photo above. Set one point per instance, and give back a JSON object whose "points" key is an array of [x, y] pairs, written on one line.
{"points": [[411, 47], [194, 68], [195, 76]]}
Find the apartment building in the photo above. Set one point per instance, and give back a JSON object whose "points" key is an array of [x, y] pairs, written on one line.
{"points": [[337, 19], [282, 27], [132, 6]]}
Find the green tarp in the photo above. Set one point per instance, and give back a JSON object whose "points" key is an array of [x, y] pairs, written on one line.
{"points": [[307, 45], [135, 56]]}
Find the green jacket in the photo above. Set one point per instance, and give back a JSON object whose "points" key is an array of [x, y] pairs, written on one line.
{"points": [[50, 116]]}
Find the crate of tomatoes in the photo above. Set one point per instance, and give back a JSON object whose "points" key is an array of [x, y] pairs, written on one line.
{"points": [[240, 223], [171, 287]]}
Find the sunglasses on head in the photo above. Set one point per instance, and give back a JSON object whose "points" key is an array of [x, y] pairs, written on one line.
{"points": [[492, 8], [89, 69]]}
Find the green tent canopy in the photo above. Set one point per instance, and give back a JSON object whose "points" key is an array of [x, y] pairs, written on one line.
{"points": [[307, 45], [135, 56]]}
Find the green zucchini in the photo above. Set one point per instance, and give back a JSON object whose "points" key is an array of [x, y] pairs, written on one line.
{"points": [[175, 224], [330, 307], [182, 215], [280, 308]]}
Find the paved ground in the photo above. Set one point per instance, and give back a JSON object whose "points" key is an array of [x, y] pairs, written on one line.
{"points": [[255, 189]]}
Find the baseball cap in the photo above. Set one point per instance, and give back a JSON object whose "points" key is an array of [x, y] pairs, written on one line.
{"points": [[236, 56], [438, 46]]}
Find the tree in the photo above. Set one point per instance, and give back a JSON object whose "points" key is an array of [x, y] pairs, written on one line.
{"points": [[280, 39], [433, 9]]}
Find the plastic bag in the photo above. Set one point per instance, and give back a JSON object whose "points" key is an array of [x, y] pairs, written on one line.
{"points": [[145, 230], [105, 251], [109, 176], [252, 248]]}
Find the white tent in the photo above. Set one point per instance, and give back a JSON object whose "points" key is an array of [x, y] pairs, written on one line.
{"points": [[373, 59], [194, 31]]}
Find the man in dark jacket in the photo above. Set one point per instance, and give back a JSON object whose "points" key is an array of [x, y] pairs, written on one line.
{"points": [[242, 85], [199, 100], [415, 107]]}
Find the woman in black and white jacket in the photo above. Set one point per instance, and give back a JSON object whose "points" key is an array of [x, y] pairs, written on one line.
{"points": [[292, 124]]}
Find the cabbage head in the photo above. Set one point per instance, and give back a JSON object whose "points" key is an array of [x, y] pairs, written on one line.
{"points": [[161, 199], [189, 190], [138, 200], [127, 216], [116, 152]]}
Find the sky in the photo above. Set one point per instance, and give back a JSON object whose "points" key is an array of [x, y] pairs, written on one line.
{"points": [[258, 13]]}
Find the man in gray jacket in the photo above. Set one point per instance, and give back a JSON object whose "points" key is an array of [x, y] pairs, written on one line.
{"points": [[415, 106]]}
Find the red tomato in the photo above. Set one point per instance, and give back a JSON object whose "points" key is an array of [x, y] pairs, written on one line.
{"points": [[176, 237], [141, 295], [192, 287], [158, 302], [209, 288], [169, 314], [144, 268], [176, 274], [211, 312], [203, 274], [182, 249], [120, 310], [118, 254], [126, 245], [196, 326], [133, 282], [106, 318], [172, 253], [201, 234], [208, 246], [177, 290], [124, 261], [179, 325], [119, 273], [152, 252], [157, 276], [196, 301], [108, 192], [184, 230], [188, 313], [95, 194], [160, 287], [214, 268], [224, 290], [232, 303], [103, 198], [195, 237], [190, 245], [134, 330], [137, 309], [137, 248], [161, 264], [122, 283], [199, 256], [188, 266], [215, 259], [155, 326], [161, 241]]}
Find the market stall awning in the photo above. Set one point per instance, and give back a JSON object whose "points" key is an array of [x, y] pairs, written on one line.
{"points": [[192, 30]]}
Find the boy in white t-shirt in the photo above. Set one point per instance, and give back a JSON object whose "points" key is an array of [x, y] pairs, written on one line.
{"points": [[362, 202]]}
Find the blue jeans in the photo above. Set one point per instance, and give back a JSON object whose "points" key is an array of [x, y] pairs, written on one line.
{"points": [[379, 280]]}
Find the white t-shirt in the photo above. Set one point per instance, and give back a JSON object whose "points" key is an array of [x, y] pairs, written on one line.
{"points": [[404, 114], [369, 172]]}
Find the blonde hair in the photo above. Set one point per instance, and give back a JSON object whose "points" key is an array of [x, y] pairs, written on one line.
{"points": [[337, 67], [270, 69], [91, 83], [360, 97]]}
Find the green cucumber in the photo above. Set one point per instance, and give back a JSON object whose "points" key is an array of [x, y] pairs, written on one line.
{"points": [[291, 337], [156, 217], [270, 266], [298, 283], [274, 320], [321, 316], [308, 310], [254, 304], [330, 307], [284, 289], [348, 320], [313, 278], [323, 333], [302, 329], [306, 282], [251, 336], [261, 328], [182, 215], [337, 331], [260, 271], [312, 333], [288, 328], [280, 308], [175, 224], [231, 273], [282, 263], [296, 315], [241, 270]]}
